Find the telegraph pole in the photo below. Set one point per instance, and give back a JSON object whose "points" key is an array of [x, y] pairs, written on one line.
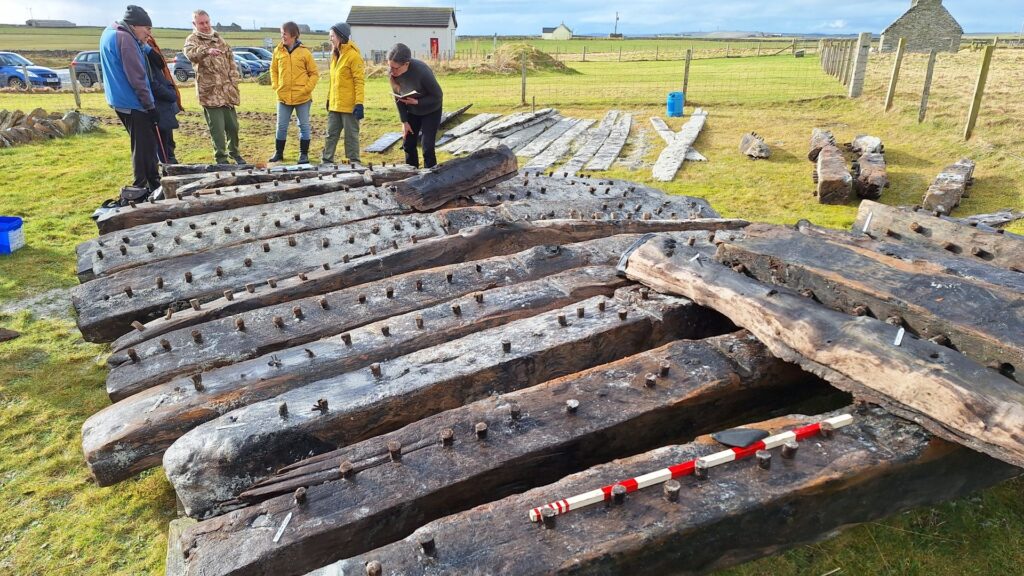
{"points": [[616, 24]]}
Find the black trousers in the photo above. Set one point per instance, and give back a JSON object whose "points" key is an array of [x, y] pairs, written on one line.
{"points": [[144, 146], [427, 125], [166, 153]]}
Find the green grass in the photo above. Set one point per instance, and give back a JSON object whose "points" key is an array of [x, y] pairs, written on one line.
{"points": [[54, 520]]}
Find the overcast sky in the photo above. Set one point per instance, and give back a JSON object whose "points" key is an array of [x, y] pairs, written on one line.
{"points": [[484, 17]]}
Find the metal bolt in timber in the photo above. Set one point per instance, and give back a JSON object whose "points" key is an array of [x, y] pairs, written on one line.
{"points": [[197, 336], [297, 312], [562, 320], [197, 382], [548, 516], [323, 303], [447, 437], [700, 470], [619, 494], [764, 459], [650, 380], [282, 410], [300, 495], [133, 355], [395, 450], [373, 568], [419, 322], [506, 346], [188, 277], [165, 344], [671, 490], [385, 330], [789, 449], [572, 405], [278, 321], [622, 313], [375, 370], [347, 339], [427, 545], [346, 469], [602, 305], [229, 295], [457, 309], [481, 430]]}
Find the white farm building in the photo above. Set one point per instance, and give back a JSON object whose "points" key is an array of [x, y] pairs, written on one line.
{"points": [[429, 32]]}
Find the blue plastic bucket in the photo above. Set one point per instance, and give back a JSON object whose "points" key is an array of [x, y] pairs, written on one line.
{"points": [[12, 236], [674, 104]]}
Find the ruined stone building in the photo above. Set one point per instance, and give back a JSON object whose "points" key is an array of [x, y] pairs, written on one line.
{"points": [[926, 26]]}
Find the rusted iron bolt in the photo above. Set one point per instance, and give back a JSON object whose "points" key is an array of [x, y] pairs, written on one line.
{"points": [[390, 292], [297, 312], [323, 303], [448, 277], [602, 305], [373, 568], [278, 321], [479, 297], [447, 437], [645, 294], [650, 380], [197, 382], [456, 309], [195, 304], [419, 322], [188, 277], [133, 355], [375, 370], [197, 336], [426, 542], [665, 367], [619, 494], [789, 449], [282, 410], [165, 344], [915, 227], [346, 469], [362, 298], [764, 459], [385, 330], [547, 516], [572, 405], [700, 470], [506, 346], [671, 490], [481, 430], [515, 411], [562, 320], [419, 285], [300, 495], [622, 313], [395, 450], [347, 339]]}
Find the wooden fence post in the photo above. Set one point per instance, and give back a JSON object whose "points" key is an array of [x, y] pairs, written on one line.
{"points": [[979, 91], [584, 52], [895, 77], [620, 53], [74, 88], [523, 66], [686, 70], [860, 65], [927, 86]]}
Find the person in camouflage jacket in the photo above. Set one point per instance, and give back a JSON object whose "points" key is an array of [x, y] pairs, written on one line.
{"points": [[216, 85]]}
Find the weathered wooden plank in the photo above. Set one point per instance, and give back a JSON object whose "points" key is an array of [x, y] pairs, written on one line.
{"points": [[819, 139], [596, 138], [879, 466], [993, 219], [521, 138], [547, 137], [559, 147], [514, 122], [384, 143], [672, 157], [456, 178], [121, 218], [903, 224], [663, 130], [472, 244], [217, 460], [184, 169], [618, 416], [150, 243], [752, 146], [131, 435], [951, 395], [870, 176], [865, 144], [981, 321], [609, 151], [170, 184], [949, 187], [472, 125], [834, 182], [266, 176]]}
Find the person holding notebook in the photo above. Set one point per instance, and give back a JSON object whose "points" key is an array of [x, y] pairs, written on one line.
{"points": [[418, 97]]}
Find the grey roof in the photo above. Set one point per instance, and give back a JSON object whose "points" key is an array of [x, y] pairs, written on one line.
{"points": [[400, 16], [547, 30]]}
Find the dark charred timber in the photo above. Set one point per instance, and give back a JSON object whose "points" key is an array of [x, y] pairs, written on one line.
{"points": [[170, 184], [182, 169], [456, 178], [710, 383], [147, 213], [752, 146], [130, 436], [366, 403], [819, 139], [879, 466], [106, 310], [869, 176], [980, 320], [918, 227], [229, 179], [951, 395], [149, 243], [834, 183], [949, 187]]}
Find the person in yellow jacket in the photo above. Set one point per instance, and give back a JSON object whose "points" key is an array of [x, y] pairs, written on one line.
{"points": [[345, 96], [293, 76]]}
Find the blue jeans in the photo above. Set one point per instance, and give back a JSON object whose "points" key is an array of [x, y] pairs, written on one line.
{"points": [[284, 115]]}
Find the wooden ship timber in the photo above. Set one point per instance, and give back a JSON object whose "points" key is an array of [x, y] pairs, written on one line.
{"points": [[477, 369]]}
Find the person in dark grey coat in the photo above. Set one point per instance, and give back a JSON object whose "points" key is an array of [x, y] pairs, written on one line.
{"points": [[420, 112], [167, 106]]}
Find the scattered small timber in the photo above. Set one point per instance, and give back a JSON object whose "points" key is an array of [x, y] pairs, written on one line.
{"points": [[609, 151], [701, 385], [559, 147], [526, 136], [992, 220], [834, 182], [456, 178], [515, 122], [752, 146], [819, 139], [131, 435], [226, 199], [949, 187], [919, 227], [668, 136], [365, 403], [978, 319], [876, 467], [672, 157], [389, 139], [596, 138], [949, 394], [869, 176]]}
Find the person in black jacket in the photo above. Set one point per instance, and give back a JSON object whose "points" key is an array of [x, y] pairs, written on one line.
{"points": [[168, 104], [420, 112]]}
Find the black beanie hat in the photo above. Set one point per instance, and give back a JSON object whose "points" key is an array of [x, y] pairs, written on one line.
{"points": [[136, 16], [343, 30]]}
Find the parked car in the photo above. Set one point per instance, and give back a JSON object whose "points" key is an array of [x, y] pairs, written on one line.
{"points": [[245, 69], [258, 66], [183, 69], [261, 53], [86, 68], [12, 66]]}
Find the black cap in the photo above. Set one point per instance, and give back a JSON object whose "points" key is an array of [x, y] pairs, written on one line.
{"points": [[343, 30], [136, 16]]}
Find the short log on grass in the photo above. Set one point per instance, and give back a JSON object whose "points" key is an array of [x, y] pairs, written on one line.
{"points": [[869, 176], [819, 139], [752, 146], [835, 184], [949, 187]]}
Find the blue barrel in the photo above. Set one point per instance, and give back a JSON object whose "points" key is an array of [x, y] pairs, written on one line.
{"points": [[11, 235], [674, 104]]}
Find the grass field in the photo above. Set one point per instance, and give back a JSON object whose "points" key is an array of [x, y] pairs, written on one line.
{"points": [[54, 520]]}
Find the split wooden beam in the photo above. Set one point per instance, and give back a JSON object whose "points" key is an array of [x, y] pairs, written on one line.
{"points": [[978, 319], [879, 466], [752, 146], [456, 178], [214, 462], [130, 436], [559, 147], [521, 138], [819, 139], [949, 187], [545, 139], [951, 395], [834, 183], [672, 157], [919, 227], [596, 138], [870, 176], [609, 151], [614, 413]]}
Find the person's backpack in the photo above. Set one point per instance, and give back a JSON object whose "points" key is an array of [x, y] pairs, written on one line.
{"points": [[128, 195]]}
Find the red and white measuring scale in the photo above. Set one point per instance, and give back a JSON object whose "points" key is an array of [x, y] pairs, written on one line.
{"points": [[686, 468]]}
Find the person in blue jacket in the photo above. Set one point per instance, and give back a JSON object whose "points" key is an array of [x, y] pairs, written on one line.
{"points": [[127, 89], [168, 103]]}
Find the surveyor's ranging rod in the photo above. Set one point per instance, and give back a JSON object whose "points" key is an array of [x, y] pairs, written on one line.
{"points": [[686, 468]]}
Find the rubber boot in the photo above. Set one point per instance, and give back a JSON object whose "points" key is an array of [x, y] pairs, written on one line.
{"points": [[279, 155], [303, 152]]}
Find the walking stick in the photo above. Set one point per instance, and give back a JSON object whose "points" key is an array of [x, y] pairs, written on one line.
{"points": [[160, 141]]}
